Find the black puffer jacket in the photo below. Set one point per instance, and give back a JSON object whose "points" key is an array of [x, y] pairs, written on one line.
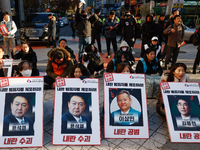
{"points": [[148, 30], [128, 26], [110, 23], [30, 56]]}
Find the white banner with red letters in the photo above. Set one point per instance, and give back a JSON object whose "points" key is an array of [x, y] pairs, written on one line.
{"points": [[76, 112], [181, 101], [7, 67], [125, 106], [21, 112]]}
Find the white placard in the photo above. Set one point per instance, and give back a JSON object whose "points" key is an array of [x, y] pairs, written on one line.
{"points": [[125, 106], [21, 112], [181, 102], [76, 112], [7, 67]]}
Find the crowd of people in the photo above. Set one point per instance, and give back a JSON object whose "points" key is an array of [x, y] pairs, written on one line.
{"points": [[62, 62]]}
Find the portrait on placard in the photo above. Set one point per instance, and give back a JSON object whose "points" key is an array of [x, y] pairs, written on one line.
{"points": [[125, 107], [185, 112], [19, 114], [76, 114]]}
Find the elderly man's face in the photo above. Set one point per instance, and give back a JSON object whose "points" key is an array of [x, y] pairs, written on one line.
{"points": [[76, 106], [183, 107], [124, 102], [19, 106]]}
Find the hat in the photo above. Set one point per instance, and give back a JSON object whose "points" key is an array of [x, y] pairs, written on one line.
{"points": [[154, 38]]}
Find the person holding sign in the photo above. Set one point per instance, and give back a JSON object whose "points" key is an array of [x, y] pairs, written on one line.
{"points": [[78, 70], [9, 38], [73, 121], [185, 120], [16, 123], [126, 115]]}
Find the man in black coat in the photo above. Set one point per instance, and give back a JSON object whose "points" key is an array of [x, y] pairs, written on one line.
{"points": [[26, 53], [52, 30], [148, 30]]}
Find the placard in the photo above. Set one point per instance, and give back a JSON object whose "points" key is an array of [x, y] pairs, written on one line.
{"points": [[182, 110], [3, 30], [21, 112], [76, 112], [7, 67], [125, 106]]}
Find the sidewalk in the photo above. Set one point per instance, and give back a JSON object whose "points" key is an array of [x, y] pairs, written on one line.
{"points": [[159, 136]]}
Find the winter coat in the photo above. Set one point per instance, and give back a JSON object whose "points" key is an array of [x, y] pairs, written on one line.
{"points": [[176, 38], [148, 30], [96, 24], [160, 28], [156, 47], [53, 69], [82, 25], [152, 68], [111, 34], [128, 27], [30, 56], [52, 27]]}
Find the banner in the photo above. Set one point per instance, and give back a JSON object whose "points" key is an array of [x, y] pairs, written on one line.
{"points": [[182, 110], [7, 67], [125, 106], [76, 112], [21, 112]]}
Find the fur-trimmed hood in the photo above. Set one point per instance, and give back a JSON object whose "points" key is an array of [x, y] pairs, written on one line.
{"points": [[50, 54]]}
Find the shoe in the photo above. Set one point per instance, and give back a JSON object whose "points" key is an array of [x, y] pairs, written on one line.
{"points": [[101, 53], [188, 71], [101, 72], [133, 52], [194, 71], [96, 74], [108, 56]]}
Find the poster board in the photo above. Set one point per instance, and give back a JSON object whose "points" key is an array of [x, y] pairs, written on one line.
{"points": [[7, 67], [182, 110], [76, 112], [125, 106], [21, 112]]}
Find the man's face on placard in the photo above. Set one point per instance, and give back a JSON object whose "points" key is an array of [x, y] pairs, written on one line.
{"points": [[76, 106], [124, 102], [183, 107], [19, 106]]}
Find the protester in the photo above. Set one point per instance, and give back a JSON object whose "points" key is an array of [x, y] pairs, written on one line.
{"points": [[95, 64], [197, 59], [176, 74], [161, 23], [128, 29], [9, 40], [138, 26], [111, 26], [25, 69], [51, 30], [26, 53], [148, 30], [123, 68], [149, 64], [59, 65], [78, 70], [63, 44], [72, 27], [120, 29], [175, 38], [96, 29], [154, 45]]}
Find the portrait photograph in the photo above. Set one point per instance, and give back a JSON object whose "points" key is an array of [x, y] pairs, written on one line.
{"points": [[19, 114], [125, 107], [185, 112], [76, 113]]}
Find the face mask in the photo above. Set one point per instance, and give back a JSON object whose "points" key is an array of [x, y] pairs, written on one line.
{"points": [[124, 49], [27, 73]]}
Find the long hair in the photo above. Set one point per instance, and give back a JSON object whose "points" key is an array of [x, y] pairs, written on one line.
{"points": [[120, 67], [84, 70], [173, 68]]}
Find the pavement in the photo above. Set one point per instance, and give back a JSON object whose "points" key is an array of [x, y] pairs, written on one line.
{"points": [[159, 135]]}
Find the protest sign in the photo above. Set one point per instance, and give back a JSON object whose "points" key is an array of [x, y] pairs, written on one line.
{"points": [[21, 112], [125, 106], [7, 67], [3, 30], [76, 112], [181, 102]]}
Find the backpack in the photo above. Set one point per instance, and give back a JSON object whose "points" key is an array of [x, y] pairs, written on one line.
{"points": [[196, 38]]}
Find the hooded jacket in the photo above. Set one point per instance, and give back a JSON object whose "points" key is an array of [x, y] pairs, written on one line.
{"points": [[118, 54], [30, 56], [52, 27], [149, 29], [156, 47], [53, 69]]}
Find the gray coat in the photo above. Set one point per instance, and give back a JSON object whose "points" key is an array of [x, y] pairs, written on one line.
{"points": [[176, 37], [52, 27]]}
